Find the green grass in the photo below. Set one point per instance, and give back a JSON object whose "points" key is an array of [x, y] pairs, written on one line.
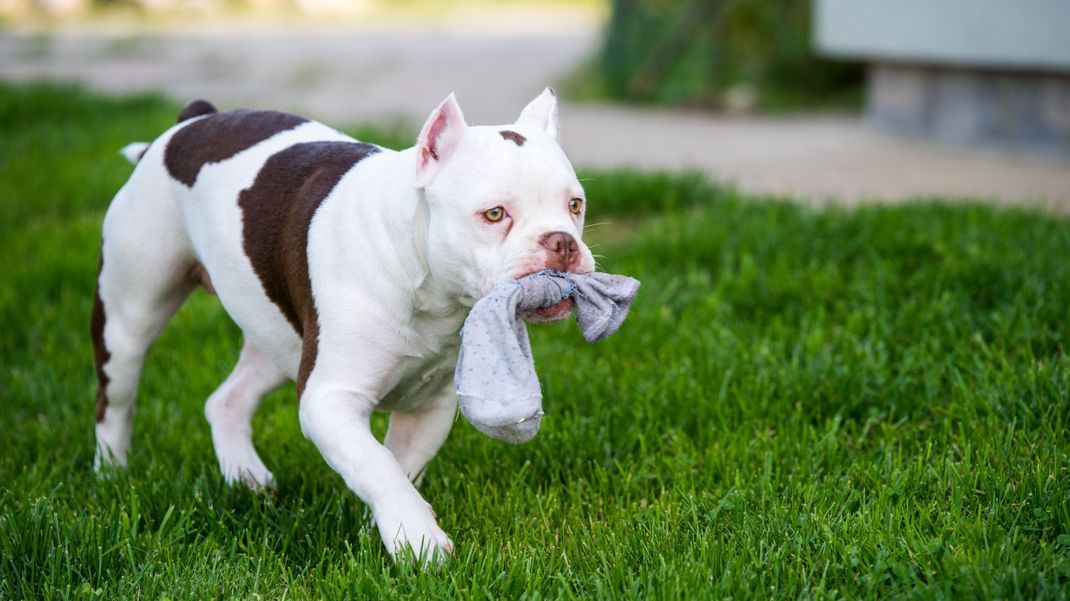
{"points": [[866, 403]]}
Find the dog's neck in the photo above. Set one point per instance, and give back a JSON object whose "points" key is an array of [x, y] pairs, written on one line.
{"points": [[433, 296]]}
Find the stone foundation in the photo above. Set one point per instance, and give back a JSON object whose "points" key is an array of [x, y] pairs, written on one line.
{"points": [[1009, 110]]}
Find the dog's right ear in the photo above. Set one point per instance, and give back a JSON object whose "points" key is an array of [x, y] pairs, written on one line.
{"points": [[541, 114], [438, 139]]}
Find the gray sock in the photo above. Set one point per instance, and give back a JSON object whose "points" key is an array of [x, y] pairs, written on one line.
{"points": [[496, 382]]}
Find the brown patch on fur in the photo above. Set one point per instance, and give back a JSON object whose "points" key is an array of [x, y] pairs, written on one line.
{"points": [[277, 211], [199, 275], [513, 137], [196, 108], [100, 349], [220, 136]]}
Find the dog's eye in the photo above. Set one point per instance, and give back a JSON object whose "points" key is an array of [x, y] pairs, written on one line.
{"points": [[494, 215], [575, 206]]}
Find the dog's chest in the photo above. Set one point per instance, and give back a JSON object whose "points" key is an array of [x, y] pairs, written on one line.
{"points": [[434, 343], [419, 379]]}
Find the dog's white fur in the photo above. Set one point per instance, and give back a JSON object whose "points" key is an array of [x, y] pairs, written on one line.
{"points": [[398, 252]]}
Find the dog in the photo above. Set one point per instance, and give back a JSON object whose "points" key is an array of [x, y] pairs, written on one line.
{"points": [[349, 268]]}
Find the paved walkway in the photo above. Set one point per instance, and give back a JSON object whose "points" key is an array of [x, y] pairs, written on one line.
{"points": [[345, 76]]}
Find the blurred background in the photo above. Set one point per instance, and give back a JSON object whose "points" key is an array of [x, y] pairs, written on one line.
{"points": [[816, 100]]}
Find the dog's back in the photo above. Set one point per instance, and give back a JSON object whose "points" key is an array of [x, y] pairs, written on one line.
{"points": [[221, 200]]}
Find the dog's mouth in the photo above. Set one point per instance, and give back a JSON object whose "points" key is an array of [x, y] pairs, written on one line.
{"points": [[549, 314]]}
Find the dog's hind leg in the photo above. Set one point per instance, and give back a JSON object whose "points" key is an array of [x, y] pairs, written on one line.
{"points": [[230, 411], [145, 268]]}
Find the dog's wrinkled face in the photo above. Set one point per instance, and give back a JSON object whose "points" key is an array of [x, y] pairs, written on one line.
{"points": [[502, 201]]}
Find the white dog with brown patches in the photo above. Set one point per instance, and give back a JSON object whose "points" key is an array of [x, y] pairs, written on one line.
{"points": [[349, 268]]}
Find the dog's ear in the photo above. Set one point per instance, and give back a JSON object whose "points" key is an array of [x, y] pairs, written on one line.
{"points": [[439, 137], [541, 113]]}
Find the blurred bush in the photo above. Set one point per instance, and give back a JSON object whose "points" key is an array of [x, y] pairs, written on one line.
{"points": [[733, 54]]}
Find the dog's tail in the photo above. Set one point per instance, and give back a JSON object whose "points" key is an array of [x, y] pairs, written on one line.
{"points": [[134, 151]]}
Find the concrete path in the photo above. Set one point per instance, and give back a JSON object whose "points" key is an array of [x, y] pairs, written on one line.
{"points": [[345, 76]]}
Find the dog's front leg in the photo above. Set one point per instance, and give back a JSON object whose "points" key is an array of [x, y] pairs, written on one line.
{"points": [[337, 422]]}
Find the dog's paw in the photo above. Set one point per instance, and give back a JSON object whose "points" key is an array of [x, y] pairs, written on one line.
{"points": [[256, 477], [410, 533], [259, 482], [105, 462]]}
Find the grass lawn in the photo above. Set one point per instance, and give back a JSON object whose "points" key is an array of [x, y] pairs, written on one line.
{"points": [[803, 403]]}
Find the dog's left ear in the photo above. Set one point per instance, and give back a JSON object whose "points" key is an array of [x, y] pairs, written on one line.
{"points": [[541, 113], [438, 139]]}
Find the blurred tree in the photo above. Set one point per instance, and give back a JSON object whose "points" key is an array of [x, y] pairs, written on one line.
{"points": [[720, 53]]}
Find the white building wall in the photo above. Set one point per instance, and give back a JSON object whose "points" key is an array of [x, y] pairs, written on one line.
{"points": [[1015, 34]]}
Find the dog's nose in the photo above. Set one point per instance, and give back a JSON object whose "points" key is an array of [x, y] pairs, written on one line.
{"points": [[563, 245]]}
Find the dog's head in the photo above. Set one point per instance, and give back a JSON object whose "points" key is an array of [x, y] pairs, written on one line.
{"points": [[502, 201]]}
